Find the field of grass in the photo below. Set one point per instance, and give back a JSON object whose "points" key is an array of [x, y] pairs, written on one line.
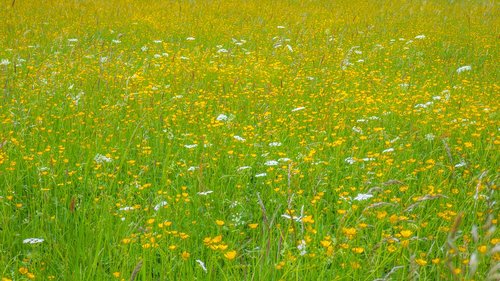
{"points": [[249, 140]]}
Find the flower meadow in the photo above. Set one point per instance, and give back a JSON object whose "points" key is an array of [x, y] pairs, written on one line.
{"points": [[249, 140]]}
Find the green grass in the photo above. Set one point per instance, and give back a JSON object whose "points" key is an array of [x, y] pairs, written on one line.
{"points": [[135, 150]]}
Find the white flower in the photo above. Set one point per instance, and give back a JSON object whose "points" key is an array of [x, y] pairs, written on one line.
{"points": [[221, 117], [192, 168], [244, 168], [116, 41], [464, 68], [436, 97], [350, 160], [302, 247], [126, 208], [298, 108], [202, 265], [357, 130], [271, 163], [295, 218], [72, 40], [157, 41], [33, 240], [190, 39], [4, 62], [362, 197], [461, 164], [189, 146], [368, 159], [280, 27], [144, 48], [274, 144], [430, 137], [261, 175], [421, 36], [388, 150], [284, 159], [99, 159], [205, 193], [238, 138], [289, 48], [160, 205], [222, 50], [424, 105]]}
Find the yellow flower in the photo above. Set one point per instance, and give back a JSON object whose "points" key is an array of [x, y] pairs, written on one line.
{"points": [[23, 270], [325, 243], [219, 222], [406, 233], [421, 262], [185, 255], [116, 274], [253, 225], [358, 250], [308, 219], [30, 275], [230, 255], [482, 249]]}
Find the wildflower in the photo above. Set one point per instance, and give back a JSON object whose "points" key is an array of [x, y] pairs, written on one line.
{"points": [[253, 225], [160, 205], [464, 68], [116, 274], [99, 158], [4, 62], [429, 137], [421, 262], [230, 255], [23, 270], [189, 146], [388, 150], [358, 250], [421, 36], [202, 265], [185, 255], [280, 27], [302, 247], [243, 168], [72, 40], [261, 175], [274, 144], [204, 193], [219, 222], [461, 164], [271, 163], [362, 197], [357, 130], [406, 233], [350, 160], [33, 240], [298, 108], [238, 138], [190, 39], [222, 117]]}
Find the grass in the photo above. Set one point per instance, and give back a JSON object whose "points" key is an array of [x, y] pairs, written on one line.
{"points": [[249, 140]]}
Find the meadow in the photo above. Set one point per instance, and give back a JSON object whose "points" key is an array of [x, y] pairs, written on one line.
{"points": [[249, 140]]}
